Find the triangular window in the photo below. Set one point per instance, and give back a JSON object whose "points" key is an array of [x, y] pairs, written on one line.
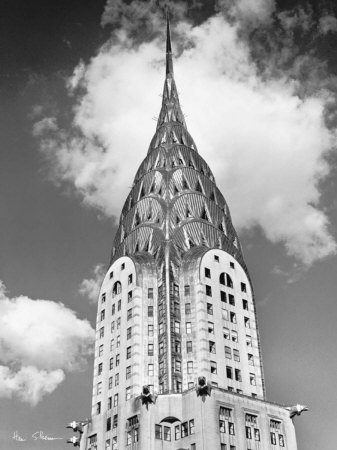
{"points": [[137, 219], [204, 215], [185, 185], [198, 187]]}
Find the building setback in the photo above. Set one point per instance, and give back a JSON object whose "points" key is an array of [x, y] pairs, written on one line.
{"points": [[177, 356]]}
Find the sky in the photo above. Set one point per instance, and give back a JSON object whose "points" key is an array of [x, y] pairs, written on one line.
{"points": [[80, 86]]}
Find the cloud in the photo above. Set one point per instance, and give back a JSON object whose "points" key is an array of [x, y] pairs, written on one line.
{"points": [[90, 286], [40, 340], [327, 24], [261, 127]]}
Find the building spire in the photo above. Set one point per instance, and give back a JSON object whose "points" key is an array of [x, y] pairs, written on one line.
{"points": [[169, 61]]}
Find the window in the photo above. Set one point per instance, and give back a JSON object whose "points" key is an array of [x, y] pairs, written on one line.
{"points": [[223, 298], [239, 391], [273, 438], [245, 304], [213, 367], [184, 429], [225, 333], [187, 308], [177, 432], [190, 385], [177, 347], [129, 296], [119, 305], [176, 290], [211, 327], [234, 336], [118, 323], [243, 287], [248, 433], [189, 346], [216, 258], [161, 367], [231, 265], [207, 272], [150, 330], [123, 266], [176, 326], [281, 440], [229, 372], [113, 309], [103, 297], [230, 388], [247, 322], [208, 290], [161, 348], [275, 424], [231, 428], [114, 443], [117, 360], [117, 379], [256, 434], [129, 314], [238, 376], [209, 308], [236, 354], [225, 413], [128, 333], [178, 366], [150, 370], [250, 359], [117, 288], [111, 275], [188, 327], [158, 432], [187, 290], [110, 382], [100, 368], [100, 350], [231, 299], [118, 341], [232, 317], [211, 347], [112, 343], [130, 279], [112, 326], [189, 367], [109, 402], [128, 352], [224, 313], [228, 352], [191, 426], [252, 379], [99, 388], [167, 433], [150, 311], [225, 280], [115, 399], [128, 372], [98, 408], [150, 349], [101, 332], [150, 293], [248, 341], [128, 393]]}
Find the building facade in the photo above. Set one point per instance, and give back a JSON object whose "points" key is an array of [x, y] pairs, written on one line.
{"points": [[177, 356]]}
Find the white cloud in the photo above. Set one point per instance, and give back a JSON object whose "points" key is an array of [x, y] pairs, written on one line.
{"points": [[265, 144], [90, 286], [40, 340], [327, 23]]}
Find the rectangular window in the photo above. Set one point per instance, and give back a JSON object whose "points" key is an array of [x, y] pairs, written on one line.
{"points": [[103, 298], [99, 388], [275, 424], [129, 314], [211, 347], [191, 426], [117, 379], [243, 287], [177, 347], [188, 327], [222, 426], [252, 379], [248, 433], [98, 408], [189, 346], [161, 348], [176, 327], [150, 349], [189, 367], [231, 429], [100, 368], [109, 402], [111, 364], [158, 432], [150, 330], [117, 360], [245, 304], [250, 359], [190, 385], [128, 372], [234, 336], [187, 290], [167, 433], [113, 309], [118, 341], [177, 432], [226, 334], [224, 314], [232, 317], [101, 332], [187, 308], [238, 376], [115, 421], [184, 429], [161, 367], [150, 370], [150, 311], [128, 333], [208, 291], [112, 326], [207, 272], [115, 399], [128, 352], [256, 434], [114, 443], [123, 266], [273, 438], [209, 308], [130, 279], [216, 258], [111, 275], [231, 299], [176, 290], [211, 327], [247, 322], [128, 393], [228, 352], [178, 366], [231, 265], [225, 413], [229, 372], [248, 341], [118, 323], [150, 293], [213, 367], [119, 305], [236, 355], [110, 382], [223, 298], [100, 350], [281, 440], [129, 296], [112, 343]]}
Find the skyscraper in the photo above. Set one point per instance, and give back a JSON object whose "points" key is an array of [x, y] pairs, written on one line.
{"points": [[177, 356]]}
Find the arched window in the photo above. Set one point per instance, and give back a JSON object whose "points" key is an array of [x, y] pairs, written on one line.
{"points": [[117, 288], [226, 280]]}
